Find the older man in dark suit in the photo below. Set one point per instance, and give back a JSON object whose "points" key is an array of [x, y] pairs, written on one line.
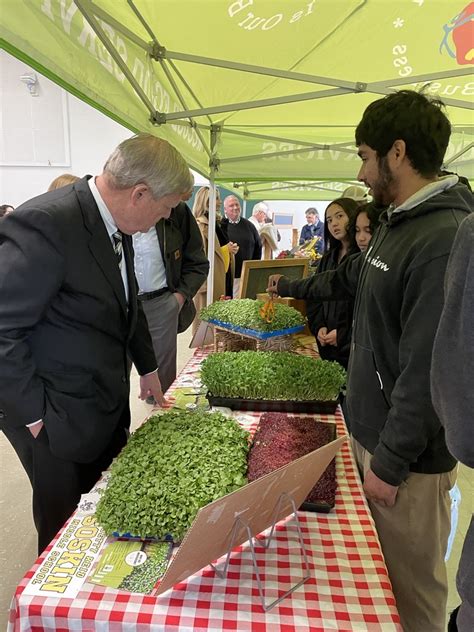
{"points": [[69, 317]]}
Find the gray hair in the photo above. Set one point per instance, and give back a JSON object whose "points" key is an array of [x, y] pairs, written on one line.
{"points": [[230, 197], [260, 206], [146, 159]]}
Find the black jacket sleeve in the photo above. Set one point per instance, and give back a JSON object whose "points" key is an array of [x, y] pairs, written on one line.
{"points": [[332, 285], [452, 368], [411, 420], [141, 346], [194, 265], [31, 265], [314, 307], [257, 248]]}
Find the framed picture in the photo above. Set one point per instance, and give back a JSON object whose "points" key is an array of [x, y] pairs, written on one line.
{"points": [[283, 220], [254, 277]]}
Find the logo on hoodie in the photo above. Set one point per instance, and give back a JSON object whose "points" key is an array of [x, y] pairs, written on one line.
{"points": [[376, 262]]}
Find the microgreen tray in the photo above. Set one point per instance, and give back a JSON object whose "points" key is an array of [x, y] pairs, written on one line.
{"points": [[272, 435], [273, 405], [254, 333]]}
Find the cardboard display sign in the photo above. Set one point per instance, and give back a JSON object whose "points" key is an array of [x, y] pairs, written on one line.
{"points": [[209, 536]]}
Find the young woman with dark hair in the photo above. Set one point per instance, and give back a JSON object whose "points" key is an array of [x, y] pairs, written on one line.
{"points": [[364, 224], [331, 321]]}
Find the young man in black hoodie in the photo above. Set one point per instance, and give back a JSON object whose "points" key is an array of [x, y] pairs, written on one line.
{"points": [[398, 440]]}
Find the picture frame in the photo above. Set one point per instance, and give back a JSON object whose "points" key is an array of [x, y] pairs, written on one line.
{"points": [[283, 220], [254, 276]]}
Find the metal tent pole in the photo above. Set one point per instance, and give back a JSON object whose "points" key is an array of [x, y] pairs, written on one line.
{"points": [[211, 233]]}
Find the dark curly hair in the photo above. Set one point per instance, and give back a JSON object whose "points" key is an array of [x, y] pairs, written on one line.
{"points": [[412, 117]]}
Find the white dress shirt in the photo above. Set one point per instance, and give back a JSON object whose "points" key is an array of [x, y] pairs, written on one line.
{"points": [[149, 267], [111, 228]]}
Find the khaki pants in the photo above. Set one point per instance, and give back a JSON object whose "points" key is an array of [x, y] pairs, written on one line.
{"points": [[414, 536]]}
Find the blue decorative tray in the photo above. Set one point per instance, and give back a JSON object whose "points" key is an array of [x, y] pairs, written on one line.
{"points": [[129, 536], [260, 335]]}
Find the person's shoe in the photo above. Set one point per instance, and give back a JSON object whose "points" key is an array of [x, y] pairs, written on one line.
{"points": [[151, 400]]}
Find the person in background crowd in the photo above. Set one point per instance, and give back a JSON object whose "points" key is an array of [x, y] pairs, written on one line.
{"points": [[269, 234], [224, 252], [452, 375], [269, 220], [331, 321], [313, 228], [69, 317], [5, 209], [398, 440], [242, 232], [259, 215], [62, 181], [364, 224], [357, 193], [170, 266]]}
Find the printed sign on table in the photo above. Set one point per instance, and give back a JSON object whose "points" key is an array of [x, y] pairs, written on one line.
{"points": [[134, 566], [65, 568]]}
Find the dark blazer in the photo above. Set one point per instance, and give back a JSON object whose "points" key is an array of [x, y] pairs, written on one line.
{"points": [[186, 263], [65, 328]]}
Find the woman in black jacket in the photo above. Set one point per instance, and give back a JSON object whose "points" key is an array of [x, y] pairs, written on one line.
{"points": [[331, 321]]}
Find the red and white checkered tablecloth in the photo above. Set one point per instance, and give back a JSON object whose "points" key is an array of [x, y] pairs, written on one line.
{"points": [[349, 589]]}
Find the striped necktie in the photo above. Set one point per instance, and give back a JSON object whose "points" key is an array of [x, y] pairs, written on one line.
{"points": [[117, 237]]}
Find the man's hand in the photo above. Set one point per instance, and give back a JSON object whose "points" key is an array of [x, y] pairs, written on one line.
{"points": [[331, 338], [273, 283], [378, 491], [35, 429], [322, 333], [180, 298], [150, 385]]}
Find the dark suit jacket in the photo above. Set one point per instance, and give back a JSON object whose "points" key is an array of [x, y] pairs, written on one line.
{"points": [[185, 261], [64, 324]]}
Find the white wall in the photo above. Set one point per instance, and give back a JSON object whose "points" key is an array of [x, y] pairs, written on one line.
{"points": [[91, 135]]}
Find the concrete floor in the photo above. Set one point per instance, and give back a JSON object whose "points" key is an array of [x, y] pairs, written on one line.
{"points": [[18, 536]]}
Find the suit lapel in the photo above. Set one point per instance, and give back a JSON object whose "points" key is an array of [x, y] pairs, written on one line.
{"points": [[99, 242], [160, 231]]}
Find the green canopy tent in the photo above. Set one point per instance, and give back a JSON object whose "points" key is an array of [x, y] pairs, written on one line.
{"points": [[261, 96]]}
